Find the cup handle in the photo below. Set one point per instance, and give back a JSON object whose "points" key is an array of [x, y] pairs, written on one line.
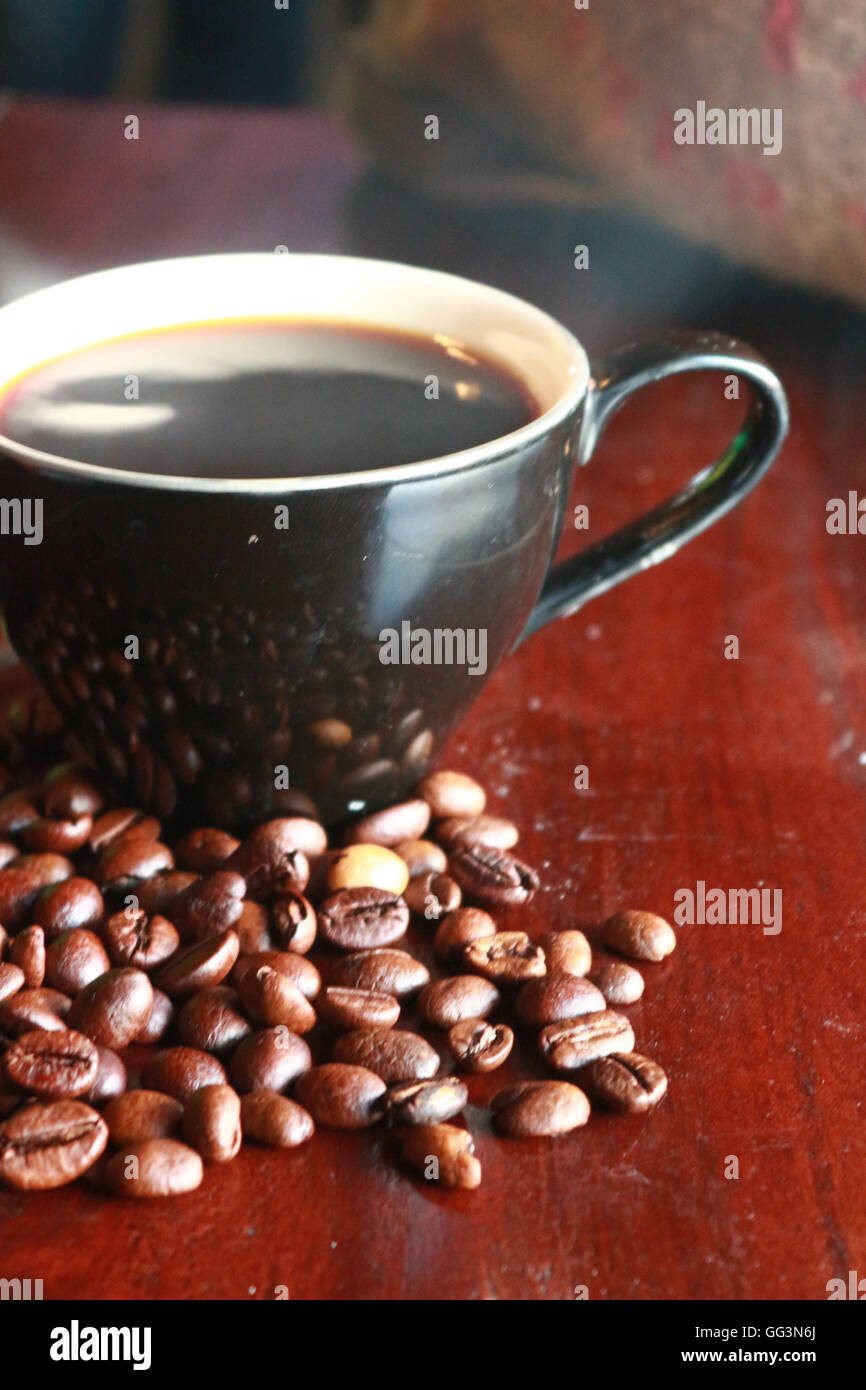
{"points": [[709, 495]]}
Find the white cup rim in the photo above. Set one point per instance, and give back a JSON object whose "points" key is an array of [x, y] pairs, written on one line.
{"points": [[540, 338]]}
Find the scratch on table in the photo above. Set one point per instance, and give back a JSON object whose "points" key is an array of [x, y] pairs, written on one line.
{"points": [[630, 1174]]}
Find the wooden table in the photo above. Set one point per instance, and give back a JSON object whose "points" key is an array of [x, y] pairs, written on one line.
{"points": [[738, 773]]}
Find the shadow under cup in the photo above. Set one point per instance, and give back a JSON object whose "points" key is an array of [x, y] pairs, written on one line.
{"points": [[224, 659]]}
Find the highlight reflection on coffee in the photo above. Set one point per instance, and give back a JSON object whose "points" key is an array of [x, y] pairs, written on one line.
{"points": [[245, 711], [264, 398]]}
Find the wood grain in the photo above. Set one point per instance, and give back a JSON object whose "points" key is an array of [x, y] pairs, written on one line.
{"points": [[739, 773]]}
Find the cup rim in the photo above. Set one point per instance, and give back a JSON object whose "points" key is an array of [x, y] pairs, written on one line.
{"points": [[462, 460]]}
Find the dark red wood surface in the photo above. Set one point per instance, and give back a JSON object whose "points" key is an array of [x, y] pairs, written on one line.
{"points": [[739, 773]]}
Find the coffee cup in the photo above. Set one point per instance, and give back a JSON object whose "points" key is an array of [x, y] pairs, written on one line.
{"points": [[219, 666]]}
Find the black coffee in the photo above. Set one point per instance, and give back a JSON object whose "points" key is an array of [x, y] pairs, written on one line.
{"points": [[264, 398]]}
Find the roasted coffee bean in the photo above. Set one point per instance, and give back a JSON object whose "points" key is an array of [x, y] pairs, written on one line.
{"points": [[271, 998], [11, 980], [572, 1042], [341, 1096], [269, 1060], [34, 718], [446, 1002], [140, 1115], [139, 939], [363, 867], [384, 970], [205, 850], [158, 1021], [406, 821], [344, 1009], [8, 852], [270, 861], [479, 1046], [422, 856], [4, 941], [567, 952], [73, 959], [154, 1168], [411, 742], [372, 781], [76, 902], [52, 1066], [536, 1109], [299, 970], [492, 831], [57, 836], [211, 1021], [452, 794], [508, 957], [492, 877], [125, 823], [210, 906], [443, 1154], [23, 880], [330, 733], [426, 1102], [200, 965], [18, 809], [390, 1053], [302, 808], [274, 1121], [360, 918], [181, 1071], [303, 831], [48, 1145], [29, 1009], [558, 996], [619, 983], [123, 866], [27, 951], [113, 1008], [212, 1123], [253, 928], [293, 923], [459, 928], [159, 894], [626, 1082], [433, 896], [641, 935], [110, 1077], [69, 792]]}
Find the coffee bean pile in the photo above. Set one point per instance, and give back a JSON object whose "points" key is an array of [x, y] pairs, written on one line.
{"points": [[158, 1004]]}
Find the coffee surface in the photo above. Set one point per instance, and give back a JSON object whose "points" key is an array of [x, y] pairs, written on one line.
{"points": [[264, 399]]}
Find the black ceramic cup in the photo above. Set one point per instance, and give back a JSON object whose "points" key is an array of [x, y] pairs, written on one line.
{"points": [[276, 670]]}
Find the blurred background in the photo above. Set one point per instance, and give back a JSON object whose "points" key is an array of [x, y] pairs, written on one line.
{"points": [[572, 110], [225, 50]]}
